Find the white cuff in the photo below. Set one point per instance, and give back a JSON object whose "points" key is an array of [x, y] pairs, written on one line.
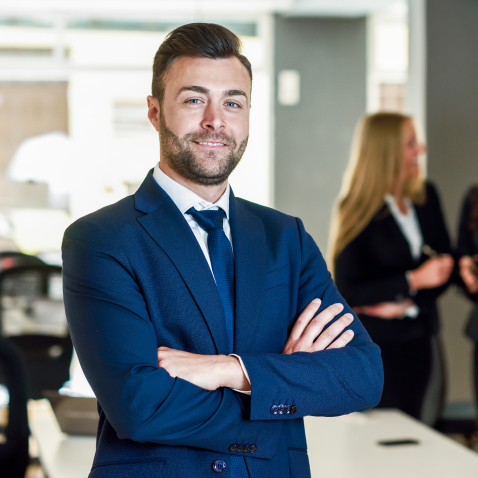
{"points": [[412, 311], [245, 373]]}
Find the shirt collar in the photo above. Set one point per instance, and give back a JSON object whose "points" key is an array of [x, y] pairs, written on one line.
{"points": [[393, 206], [184, 198]]}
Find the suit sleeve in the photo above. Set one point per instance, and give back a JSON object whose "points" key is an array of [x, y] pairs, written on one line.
{"points": [[326, 383], [117, 348], [440, 242]]}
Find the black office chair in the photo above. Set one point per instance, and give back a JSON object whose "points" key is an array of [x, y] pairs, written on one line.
{"points": [[33, 293], [14, 457], [9, 259]]}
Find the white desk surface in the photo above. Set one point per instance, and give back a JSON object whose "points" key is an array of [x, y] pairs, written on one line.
{"points": [[342, 447], [346, 447], [62, 456]]}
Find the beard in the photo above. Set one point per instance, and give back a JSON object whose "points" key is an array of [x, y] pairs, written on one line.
{"points": [[181, 159]]}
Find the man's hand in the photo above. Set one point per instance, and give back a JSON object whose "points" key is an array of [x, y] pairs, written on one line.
{"points": [[206, 371], [308, 334], [385, 310], [467, 266], [432, 273]]}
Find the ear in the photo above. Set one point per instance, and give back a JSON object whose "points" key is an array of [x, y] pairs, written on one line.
{"points": [[153, 112]]}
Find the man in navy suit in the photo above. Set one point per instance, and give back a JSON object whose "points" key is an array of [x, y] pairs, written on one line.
{"points": [[207, 344]]}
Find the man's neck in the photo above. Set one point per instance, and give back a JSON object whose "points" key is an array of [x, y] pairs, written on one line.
{"points": [[209, 193]]}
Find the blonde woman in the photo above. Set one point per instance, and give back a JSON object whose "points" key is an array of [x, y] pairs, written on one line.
{"points": [[390, 252]]}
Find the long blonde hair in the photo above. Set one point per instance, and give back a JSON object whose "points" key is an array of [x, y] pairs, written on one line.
{"points": [[375, 166]]}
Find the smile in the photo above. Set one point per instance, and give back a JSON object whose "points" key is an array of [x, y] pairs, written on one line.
{"points": [[209, 144]]}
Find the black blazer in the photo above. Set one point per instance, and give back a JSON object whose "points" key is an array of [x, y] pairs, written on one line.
{"points": [[468, 246], [371, 269]]}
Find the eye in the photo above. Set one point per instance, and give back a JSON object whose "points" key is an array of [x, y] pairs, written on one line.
{"points": [[194, 101], [232, 104]]}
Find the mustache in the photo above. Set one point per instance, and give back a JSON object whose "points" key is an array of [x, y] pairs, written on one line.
{"points": [[211, 137]]}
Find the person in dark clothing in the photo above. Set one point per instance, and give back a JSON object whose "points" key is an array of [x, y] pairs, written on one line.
{"points": [[467, 251], [391, 255]]}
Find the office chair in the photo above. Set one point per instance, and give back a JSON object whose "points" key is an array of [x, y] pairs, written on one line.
{"points": [[9, 259], [32, 317], [14, 449]]}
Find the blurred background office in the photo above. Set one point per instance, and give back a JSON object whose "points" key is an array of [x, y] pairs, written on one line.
{"points": [[74, 135]]}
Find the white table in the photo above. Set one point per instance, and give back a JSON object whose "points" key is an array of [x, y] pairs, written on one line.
{"points": [[346, 447], [343, 447], [62, 456]]}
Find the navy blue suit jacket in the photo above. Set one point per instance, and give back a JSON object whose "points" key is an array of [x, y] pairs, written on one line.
{"points": [[135, 279]]}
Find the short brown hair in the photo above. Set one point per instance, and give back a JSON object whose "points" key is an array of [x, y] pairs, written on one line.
{"points": [[206, 40]]}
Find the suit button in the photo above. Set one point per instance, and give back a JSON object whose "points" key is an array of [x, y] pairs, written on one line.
{"points": [[233, 448], [280, 410], [240, 448], [219, 466], [274, 409], [253, 448], [293, 409], [287, 410]]}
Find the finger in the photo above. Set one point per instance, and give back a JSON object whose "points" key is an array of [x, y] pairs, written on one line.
{"points": [[342, 341], [317, 325], [465, 261], [332, 332], [303, 320]]}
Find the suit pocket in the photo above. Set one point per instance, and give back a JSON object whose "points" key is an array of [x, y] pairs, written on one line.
{"points": [[149, 468], [299, 463], [277, 277]]}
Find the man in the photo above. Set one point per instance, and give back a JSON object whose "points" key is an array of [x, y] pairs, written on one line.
{"points": [[161, 288]]}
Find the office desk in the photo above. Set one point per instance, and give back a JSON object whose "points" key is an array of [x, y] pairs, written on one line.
{"points": [[343, 447], [62, 456], [346, 447]]}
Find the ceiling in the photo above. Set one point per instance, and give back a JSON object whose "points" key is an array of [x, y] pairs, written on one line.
{"points": [[154, 9]]}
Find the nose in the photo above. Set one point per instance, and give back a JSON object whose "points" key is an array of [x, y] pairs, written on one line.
{"points": [[213, 118]]}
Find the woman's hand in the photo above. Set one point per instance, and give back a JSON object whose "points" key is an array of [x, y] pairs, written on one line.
{"points": [[385, 310], [432, 273], [467, 265]]}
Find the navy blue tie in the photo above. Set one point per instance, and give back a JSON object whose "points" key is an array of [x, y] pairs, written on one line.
{"points": [[222, 262]]}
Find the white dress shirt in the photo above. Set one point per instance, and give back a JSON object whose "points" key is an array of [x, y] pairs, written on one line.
{"points": [[408, 224], [410, 227], [184, 199]]}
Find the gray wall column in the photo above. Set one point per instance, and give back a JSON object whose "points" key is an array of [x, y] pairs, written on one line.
{"points": [[452, 131], [313, 138]]}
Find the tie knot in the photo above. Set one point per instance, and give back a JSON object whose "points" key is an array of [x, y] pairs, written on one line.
{"points": [[209, 218]]}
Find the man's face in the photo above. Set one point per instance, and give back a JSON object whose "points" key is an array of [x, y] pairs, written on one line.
{"points": [[204, 118]]}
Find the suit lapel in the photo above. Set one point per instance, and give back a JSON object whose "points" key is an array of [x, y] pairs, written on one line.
{"points": [[167, 227], [249, 245]]}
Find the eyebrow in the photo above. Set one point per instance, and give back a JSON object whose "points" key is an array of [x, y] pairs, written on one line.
{"points": [[197, 89], [205, 91], [235, 93]]}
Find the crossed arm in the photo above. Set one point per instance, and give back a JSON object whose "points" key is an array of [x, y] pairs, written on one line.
{"points": [[309, 334], [433, 273]]}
